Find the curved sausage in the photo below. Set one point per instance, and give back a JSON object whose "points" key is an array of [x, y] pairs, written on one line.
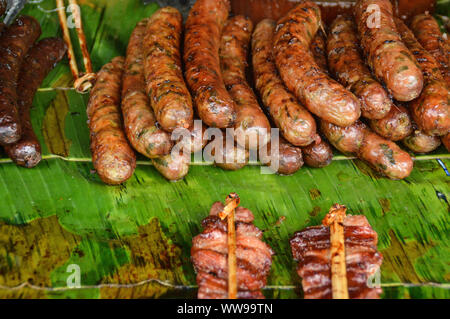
{"points": [[169, 96], [41, 59], [431, 110], [14, 45], [230, 156], [446, 141], [174, 166], [252, 128], [113, 158], [395, 126], [348, 139], [201, 56], [320, 94], [290, 158], [318, 154], [141, 128], [297, 125], [349, 68], [388, 57], [419, 142]]}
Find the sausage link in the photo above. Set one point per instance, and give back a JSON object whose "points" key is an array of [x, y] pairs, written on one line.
{"points": [[387, 56], [348, 139], [322, 95], [112, 156], [169, 96], [174, 166], [41, 59], [348, 67], [14, 45], [252, 128], [201, 56], [446, 141], [395, 126], [431, 110], [318, 49], [229, 156], [139, 120], [290, 158], [296, 124], [318, 154], [419, 142]]}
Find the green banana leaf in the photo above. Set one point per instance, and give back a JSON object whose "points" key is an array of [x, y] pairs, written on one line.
{"points": [[133, 240]]}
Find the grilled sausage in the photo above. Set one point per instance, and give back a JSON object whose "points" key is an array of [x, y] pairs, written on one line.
{"points": [[290, 158], [446, 141], [40, 60], [112, 156], [428, 33], [318, 154], [419, 142], [388, 57], [430, 111], [348, 67], [201, 56], [252, 128], [348, 139], [295, 122], [169, 96], [229, 156], [14, 45], [141, 128], [174, 166], [320, 94], [395, 126], [3, 6], [318, 49]]}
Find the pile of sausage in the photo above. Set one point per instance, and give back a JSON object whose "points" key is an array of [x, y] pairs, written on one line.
{"points": [[24, 63], [360, 89]]}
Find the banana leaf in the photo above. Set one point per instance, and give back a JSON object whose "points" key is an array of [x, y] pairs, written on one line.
{"points": [[133, 241]]}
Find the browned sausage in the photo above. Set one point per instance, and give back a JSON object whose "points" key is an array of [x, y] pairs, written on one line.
{"points": [[144, 134], [228, 155], [446, 141], [318, 49], [112, 156], [395, 126], [320, 94], [174, 166], [430, 111], [295, 122], [427, 31], [252, 128], [201, 57], [349, 68], [419, 142], [40, 60], [388, 57], [3, 6], [318, 154], [169, 96], [348, 139], [14, 45], [289, 160]]}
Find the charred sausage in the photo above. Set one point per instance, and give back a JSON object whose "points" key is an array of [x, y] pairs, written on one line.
{"points": [[318, 49], [14, 45], [169, 96], [295, 122], [395, 126], [201, 56], [388, 57], [320, 94], [252, 128], [39, 61], [348, 67], [318, 154], [418, 142], [112, 156]]}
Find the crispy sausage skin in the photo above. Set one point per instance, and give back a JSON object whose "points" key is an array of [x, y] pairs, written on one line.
{"points": [[348, 67], [112, 156], [139, 120], [418, 142], [296, 124], [318, 154], [395, 126], [431, 110], [169, 96], [320, 94], [388, 57], [14, 45], [252, 128], [201, 56], [290, 158], [428, 33], [446, 141], [348, 139], [40, 60], [318, 49]]}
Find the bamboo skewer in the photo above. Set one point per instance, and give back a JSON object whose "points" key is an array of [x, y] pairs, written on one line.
{"points": [[335, 220], [231, 202]]}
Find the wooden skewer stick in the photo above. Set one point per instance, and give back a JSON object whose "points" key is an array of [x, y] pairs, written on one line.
{"points": [[66, 35], [231, 202], [81, 37], [335, 220]]}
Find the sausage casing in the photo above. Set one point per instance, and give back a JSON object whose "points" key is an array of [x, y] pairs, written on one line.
{"points": [[318, 49], [348, 139], [201, 56], [227, 154], [395, 126], [290, 158], [418, 142], [318, 154], [113, 158], [174, 166]]}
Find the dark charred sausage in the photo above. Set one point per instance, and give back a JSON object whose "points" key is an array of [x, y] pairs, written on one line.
{"points": [[201, 56], [139, 120], [252, 128], [388, 57], [348, 139], [395, 126], [296, 124], [112, 156], [431, 110], [318, 154], [169, 96], [39, 61], [320, 94], [418, 142], [289, 158], [318, 49], [348, 67], [14, 45]]}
